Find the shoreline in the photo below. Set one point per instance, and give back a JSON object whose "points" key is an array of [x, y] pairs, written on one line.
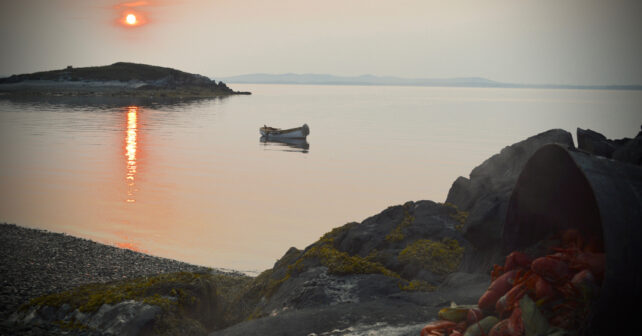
{"points": [[113, 88], [36, 262]]}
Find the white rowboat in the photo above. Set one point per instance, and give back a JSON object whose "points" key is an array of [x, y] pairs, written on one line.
{"points": [[292, 133]]}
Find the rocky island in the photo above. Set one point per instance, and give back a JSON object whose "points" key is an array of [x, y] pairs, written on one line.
{"points": [[390, 274], [116, 80]]}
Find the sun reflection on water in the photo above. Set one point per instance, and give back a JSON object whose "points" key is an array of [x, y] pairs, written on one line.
{"points": [[131, 246], [130, 151]]}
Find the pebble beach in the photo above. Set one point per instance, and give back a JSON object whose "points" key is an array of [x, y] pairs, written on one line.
{"points": [[36, 262]]}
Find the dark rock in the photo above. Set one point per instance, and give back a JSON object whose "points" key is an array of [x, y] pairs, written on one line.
{"points": [[389, 232], [376, 286], [314, 288], [281, 266], [366, 281], [391, 312], [371, 233], [594, 143], [423, 220], [413, 271], [176, 304], [124, 318], [49, 313], [630, 151], [434, 221], [463, 287], [486, 193], [626, 150], [462, 193], [461, 279], [383, 317]]}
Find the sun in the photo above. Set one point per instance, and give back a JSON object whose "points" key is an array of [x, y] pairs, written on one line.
{"points": [[131, 19]]}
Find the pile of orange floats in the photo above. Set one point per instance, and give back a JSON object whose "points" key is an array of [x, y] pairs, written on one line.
{"points": [[549, 295]]}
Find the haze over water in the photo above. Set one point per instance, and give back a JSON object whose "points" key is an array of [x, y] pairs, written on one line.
{"points": [[193, 181]]}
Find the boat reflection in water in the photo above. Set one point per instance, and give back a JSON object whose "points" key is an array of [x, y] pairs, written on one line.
{"points": [[286, 144]]}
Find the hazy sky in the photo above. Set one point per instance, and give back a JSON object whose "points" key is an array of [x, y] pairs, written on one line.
{"points": [[522, 41]]}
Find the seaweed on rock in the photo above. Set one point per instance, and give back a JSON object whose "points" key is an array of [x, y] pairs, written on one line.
{"points": [[440, 257], [397, 234], [190, 303]]}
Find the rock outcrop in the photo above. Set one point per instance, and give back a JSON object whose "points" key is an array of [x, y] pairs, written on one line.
{"points": [[625, 150], [168, 304], [391, 271], [595, 143], [486, 193]]}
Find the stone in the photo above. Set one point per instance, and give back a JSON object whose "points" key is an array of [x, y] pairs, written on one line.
{"points": [[626, 150], [594, 143], [486, 193], [371, 233], [124, 318], [631, 151], [303, 294], [462, 193]]}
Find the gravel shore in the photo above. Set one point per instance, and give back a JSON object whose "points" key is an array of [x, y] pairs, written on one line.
{"points": [[35, 262]]}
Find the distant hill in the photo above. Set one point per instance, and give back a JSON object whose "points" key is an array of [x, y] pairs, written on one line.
{"points": [[120, 78], [324, 79]]}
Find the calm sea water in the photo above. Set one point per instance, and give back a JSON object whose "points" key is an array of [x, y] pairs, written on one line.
{"points": [[194, 181]]}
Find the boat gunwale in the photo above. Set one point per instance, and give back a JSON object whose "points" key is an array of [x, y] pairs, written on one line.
{"points": [[277, 131]]}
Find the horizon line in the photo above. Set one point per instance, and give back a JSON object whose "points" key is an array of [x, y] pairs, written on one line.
{"points": [[350, 80]]}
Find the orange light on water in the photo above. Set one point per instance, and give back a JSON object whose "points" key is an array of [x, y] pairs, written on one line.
{"points": [[131, 246], [131, 146]]}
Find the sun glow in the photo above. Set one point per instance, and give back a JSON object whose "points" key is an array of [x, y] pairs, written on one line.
{"points": [[133, 14], [131, 19]]}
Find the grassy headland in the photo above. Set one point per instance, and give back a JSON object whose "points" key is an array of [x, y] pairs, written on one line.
{"points": [[118, 79]]}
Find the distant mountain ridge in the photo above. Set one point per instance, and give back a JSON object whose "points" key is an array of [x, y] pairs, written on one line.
{"points": [[326, 79]]}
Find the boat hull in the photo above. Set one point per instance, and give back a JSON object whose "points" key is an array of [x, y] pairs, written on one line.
{"points": [[293, 133]]}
